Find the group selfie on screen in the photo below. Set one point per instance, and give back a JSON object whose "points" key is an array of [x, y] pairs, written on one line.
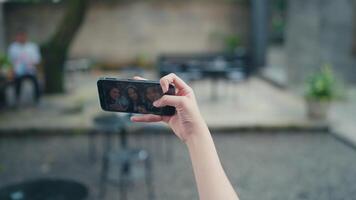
{"points": [[133, 99]]}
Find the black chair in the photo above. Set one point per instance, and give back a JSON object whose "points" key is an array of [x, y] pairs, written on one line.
{"points": [[2, 91], [45, 189], [124, 158]]}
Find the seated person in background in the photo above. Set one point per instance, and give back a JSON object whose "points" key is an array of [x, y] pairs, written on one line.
{"points": [[135, 100], [151, 94], [117, 101], [24, 56], [189, 126]]}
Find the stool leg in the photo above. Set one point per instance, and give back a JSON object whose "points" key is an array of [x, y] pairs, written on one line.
{"points": [[164, 145], [104, 176], [91, 146], [169, 147], [107, 142], [123, 180], [150, 142], [148, 173], [105, 164]]}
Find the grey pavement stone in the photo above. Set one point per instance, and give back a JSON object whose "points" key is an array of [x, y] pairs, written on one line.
{"points": [[342, 117], [269, 166]]}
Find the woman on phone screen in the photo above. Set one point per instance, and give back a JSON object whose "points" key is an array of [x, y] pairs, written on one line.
{"points": [[189, 126], [136, 104], [117, 101]]}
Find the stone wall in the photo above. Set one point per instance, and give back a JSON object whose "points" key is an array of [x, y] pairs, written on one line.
{"points": [[119, 32], [39, 20], [320, 32]]}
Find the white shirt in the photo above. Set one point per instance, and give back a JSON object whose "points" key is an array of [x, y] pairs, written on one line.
{"points": [[24, 57]]}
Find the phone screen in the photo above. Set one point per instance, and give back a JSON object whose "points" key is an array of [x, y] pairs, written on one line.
{"points": [[132, 96]]}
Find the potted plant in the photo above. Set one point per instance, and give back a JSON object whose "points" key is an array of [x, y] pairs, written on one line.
{"points": [[5, 76], [5, 67], [319, 93], [233, 44]]}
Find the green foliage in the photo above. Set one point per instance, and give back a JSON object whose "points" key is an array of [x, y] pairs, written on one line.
{"points": [[279, 5], [322, 85], [34, 1], [232, 42], [278, 20], [2, 168], [5, 63], [278, 24], [5, 69], [142, 60], [241, 2]]}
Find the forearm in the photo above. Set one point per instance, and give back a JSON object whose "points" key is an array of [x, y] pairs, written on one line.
{"points": [[210, 177], [190, 127]]}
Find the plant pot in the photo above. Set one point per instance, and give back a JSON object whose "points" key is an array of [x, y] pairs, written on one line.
{"points": [[317, 109]]}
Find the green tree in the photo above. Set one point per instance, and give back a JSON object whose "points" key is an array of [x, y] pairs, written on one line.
{"points": [[55, 50]]}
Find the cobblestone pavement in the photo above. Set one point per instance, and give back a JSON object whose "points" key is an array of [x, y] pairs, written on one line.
{"points": [[342, 116], [269, 166]]}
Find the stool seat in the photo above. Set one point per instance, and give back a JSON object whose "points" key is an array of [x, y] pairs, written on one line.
{"points": [[108, 123]]}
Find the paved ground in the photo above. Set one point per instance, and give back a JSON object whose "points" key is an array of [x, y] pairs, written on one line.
{"points": [[252, 104], [342, 116], [269, 166], [261, 165]]}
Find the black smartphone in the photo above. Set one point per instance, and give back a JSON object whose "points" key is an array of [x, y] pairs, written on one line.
{"points": [[132, 96]]}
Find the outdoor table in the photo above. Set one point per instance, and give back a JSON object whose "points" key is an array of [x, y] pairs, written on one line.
{"points": [[212, 66], [45, 189], [214, 73]]}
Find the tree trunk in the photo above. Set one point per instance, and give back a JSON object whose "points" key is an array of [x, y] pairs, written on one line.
{"points": [[55, 50], [354, 27]]}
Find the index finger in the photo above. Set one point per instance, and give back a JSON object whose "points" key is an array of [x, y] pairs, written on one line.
{"points": [[146, 118], [139, 78], [178, 83]]}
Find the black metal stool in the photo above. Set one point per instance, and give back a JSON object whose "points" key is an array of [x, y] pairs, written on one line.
{"points": [[125, 157], [160, 140]]}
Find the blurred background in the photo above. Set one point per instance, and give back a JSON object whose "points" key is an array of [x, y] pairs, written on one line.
{"points": [[274, 79]]}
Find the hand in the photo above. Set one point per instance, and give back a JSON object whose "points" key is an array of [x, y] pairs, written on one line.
{"points": [[187, 120]]}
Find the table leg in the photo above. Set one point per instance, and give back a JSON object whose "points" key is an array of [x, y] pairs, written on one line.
{"points": [[214, 89]]}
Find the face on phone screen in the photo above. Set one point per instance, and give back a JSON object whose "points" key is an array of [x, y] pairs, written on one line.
{"points": [[132, 97]]}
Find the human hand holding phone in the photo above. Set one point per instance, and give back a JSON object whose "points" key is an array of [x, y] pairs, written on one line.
{"points": [[187, 118], [188, 124]]}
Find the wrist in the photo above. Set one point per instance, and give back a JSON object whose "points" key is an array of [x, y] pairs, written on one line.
{"points": [[199, 134]]}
